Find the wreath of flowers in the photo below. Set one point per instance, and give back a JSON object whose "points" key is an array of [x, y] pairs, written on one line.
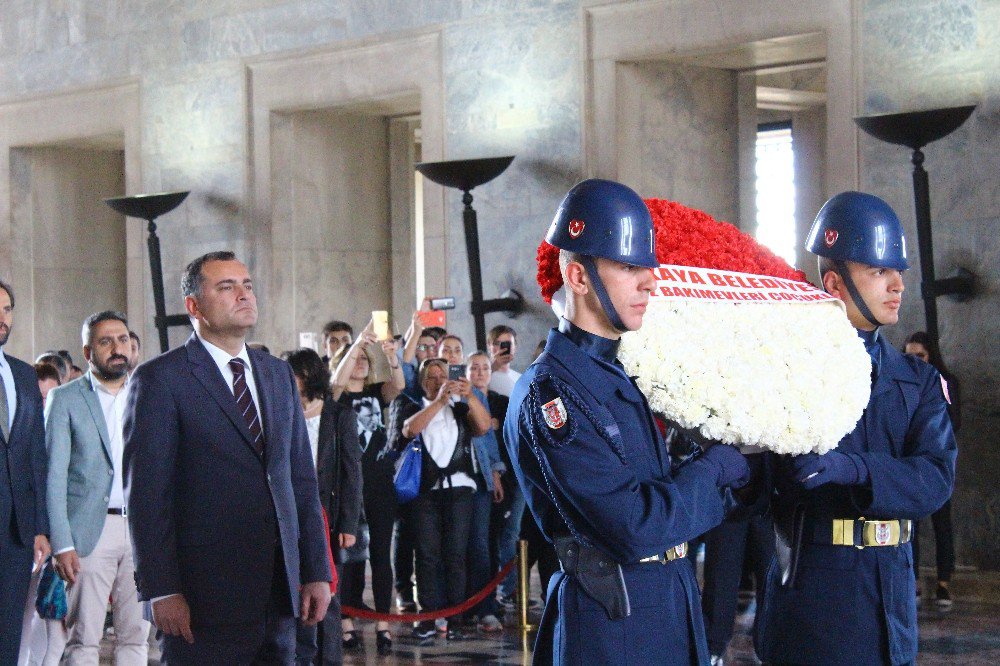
{"points": [[791, 378]]}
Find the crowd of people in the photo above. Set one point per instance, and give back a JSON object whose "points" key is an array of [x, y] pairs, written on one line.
{"points": [[249, 530]]}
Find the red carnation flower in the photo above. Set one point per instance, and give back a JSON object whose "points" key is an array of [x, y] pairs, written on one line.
{"points": [[687, 237]]}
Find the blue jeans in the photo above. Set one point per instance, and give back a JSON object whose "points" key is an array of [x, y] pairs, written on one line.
{"points": [[478, 555], [510, 533]]}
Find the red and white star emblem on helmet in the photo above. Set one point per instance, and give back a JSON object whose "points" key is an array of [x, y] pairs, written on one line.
{"points": [[575, 228], [830, 237]]}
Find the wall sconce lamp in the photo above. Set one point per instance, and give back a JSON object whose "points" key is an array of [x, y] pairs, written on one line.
{"points": [[465, 175], [149, 207]]}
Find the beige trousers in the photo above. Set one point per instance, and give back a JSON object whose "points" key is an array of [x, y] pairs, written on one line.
{"points": [[108, 571]]}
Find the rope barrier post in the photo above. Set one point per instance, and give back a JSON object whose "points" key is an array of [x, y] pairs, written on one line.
{"points": [[522, 598]]}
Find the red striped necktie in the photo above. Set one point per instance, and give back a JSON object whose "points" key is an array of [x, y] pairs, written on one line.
{"points": [[244, 401]]}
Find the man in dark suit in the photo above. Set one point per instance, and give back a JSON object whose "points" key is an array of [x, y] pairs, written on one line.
{"points": [[220, 486], [24, 522]]}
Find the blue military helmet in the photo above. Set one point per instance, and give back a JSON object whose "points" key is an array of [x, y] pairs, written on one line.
{"points": [[859, 227], [602, 218]]}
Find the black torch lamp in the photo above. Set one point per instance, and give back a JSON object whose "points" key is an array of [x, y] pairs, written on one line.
{"points": [[149, 207], [466, 175], [915, 129]]}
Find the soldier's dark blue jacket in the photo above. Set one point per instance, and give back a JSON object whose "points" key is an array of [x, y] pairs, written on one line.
{"points": [[607, 472], [850, 605]]}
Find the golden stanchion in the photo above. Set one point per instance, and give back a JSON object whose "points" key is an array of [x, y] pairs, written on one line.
{"points": [[523, 585]]}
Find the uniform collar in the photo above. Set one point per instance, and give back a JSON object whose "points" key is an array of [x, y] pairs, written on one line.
{"points": [[870, 338], [595, 346]]}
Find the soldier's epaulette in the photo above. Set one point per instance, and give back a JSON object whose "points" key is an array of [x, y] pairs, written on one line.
{"points": [[549, 412]]}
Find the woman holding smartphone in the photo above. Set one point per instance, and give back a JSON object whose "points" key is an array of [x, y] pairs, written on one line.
{"points": [[353, 387], [446, 420]]}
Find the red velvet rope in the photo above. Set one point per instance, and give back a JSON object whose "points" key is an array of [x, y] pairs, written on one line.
{"points": [[433, 615]]}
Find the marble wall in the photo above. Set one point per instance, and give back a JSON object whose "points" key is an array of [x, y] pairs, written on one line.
{"points": [[925, 54], [671, 109]]}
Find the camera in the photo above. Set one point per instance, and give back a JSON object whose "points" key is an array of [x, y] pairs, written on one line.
{"points": [[505, 346], [456, 372], [445, 303]]}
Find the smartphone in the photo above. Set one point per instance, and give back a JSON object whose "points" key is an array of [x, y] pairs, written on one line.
{"points": [[456, 372], [380, 324], [445, 303], [505, 346]]}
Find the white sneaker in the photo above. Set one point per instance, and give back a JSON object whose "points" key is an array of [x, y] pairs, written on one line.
{"points": [[717, 660], [490, 624]]}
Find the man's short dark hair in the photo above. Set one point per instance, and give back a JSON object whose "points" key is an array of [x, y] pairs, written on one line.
{"points": [[435, 332], [65, 354], [55, 360], [10, 291], [499, 330], [336, 325], [310, 368], [193, 278], [135, 336], [87, 330]]}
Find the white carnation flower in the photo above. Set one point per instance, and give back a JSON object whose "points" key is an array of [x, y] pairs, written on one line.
{"points": [[791, 378]]}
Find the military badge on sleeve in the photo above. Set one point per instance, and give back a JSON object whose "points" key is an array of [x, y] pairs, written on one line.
{"points": [[554, 412]]}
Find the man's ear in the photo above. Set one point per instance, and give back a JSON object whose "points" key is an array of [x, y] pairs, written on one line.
{"points": [[576, 278], [833, 285], [86, 353], [191, 305]]}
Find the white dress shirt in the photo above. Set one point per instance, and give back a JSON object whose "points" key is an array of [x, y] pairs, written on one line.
{"points": [[222, 359], [8, 384], [440, 439], [113, 406]]}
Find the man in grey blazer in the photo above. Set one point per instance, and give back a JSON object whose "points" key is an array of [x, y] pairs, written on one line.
{"points": [[89, 530]]}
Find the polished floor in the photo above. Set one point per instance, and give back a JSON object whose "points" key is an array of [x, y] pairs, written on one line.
{"points": [[968, 635]]}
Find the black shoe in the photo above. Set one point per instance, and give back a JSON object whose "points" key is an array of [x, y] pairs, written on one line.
{"points": [[383, 642], [351, 640], [407, 607], [455, 635], [942, 598], [424, 630]]}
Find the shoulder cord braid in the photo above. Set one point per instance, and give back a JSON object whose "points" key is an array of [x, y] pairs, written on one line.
{"points": [[534, 407]]}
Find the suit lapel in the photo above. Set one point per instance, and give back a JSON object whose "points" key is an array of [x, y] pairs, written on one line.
{"points": [[94, 403], [207, 373], [264, 380]]}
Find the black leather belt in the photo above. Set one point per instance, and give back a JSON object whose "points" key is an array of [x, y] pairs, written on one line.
{"points": [[117, 512]]}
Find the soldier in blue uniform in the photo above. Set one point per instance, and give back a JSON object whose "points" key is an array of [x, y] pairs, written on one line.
{"points": [[594, 470], [841, 590]]}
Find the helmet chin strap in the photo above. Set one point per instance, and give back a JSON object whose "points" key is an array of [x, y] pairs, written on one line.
{"points": [[602, 293], [852, 289]]}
